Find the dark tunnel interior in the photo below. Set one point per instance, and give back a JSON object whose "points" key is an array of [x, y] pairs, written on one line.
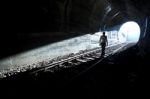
{"points": [[31, 24]]}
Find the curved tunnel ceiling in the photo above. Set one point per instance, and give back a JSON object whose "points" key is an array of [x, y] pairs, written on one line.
{"points": [[72, 15]]}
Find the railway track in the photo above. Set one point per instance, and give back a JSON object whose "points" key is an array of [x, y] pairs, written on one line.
{"points": [[70, 60], [78, 59]]}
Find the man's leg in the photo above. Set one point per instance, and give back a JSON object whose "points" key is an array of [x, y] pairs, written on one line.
{"points": [[103, 50]]}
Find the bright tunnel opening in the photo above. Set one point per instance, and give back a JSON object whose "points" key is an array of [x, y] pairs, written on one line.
{"points": [[129, 32]]}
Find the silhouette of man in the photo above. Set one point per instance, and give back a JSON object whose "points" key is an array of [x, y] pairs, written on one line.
{"points": [[103, 43]]}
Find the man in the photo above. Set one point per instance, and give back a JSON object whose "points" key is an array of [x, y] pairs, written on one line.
{"points": [[103, 42]]}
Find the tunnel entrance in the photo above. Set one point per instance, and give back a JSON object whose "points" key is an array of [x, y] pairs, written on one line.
{"points": [[129, 32]]}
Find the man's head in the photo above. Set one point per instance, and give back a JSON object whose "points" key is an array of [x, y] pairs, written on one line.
{"points": [[103, 33]]}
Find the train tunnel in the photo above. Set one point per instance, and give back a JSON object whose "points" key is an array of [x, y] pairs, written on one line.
{"points": [[30, 27]]}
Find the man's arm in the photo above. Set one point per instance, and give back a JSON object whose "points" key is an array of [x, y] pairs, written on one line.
{"points": [[106, 41]]}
